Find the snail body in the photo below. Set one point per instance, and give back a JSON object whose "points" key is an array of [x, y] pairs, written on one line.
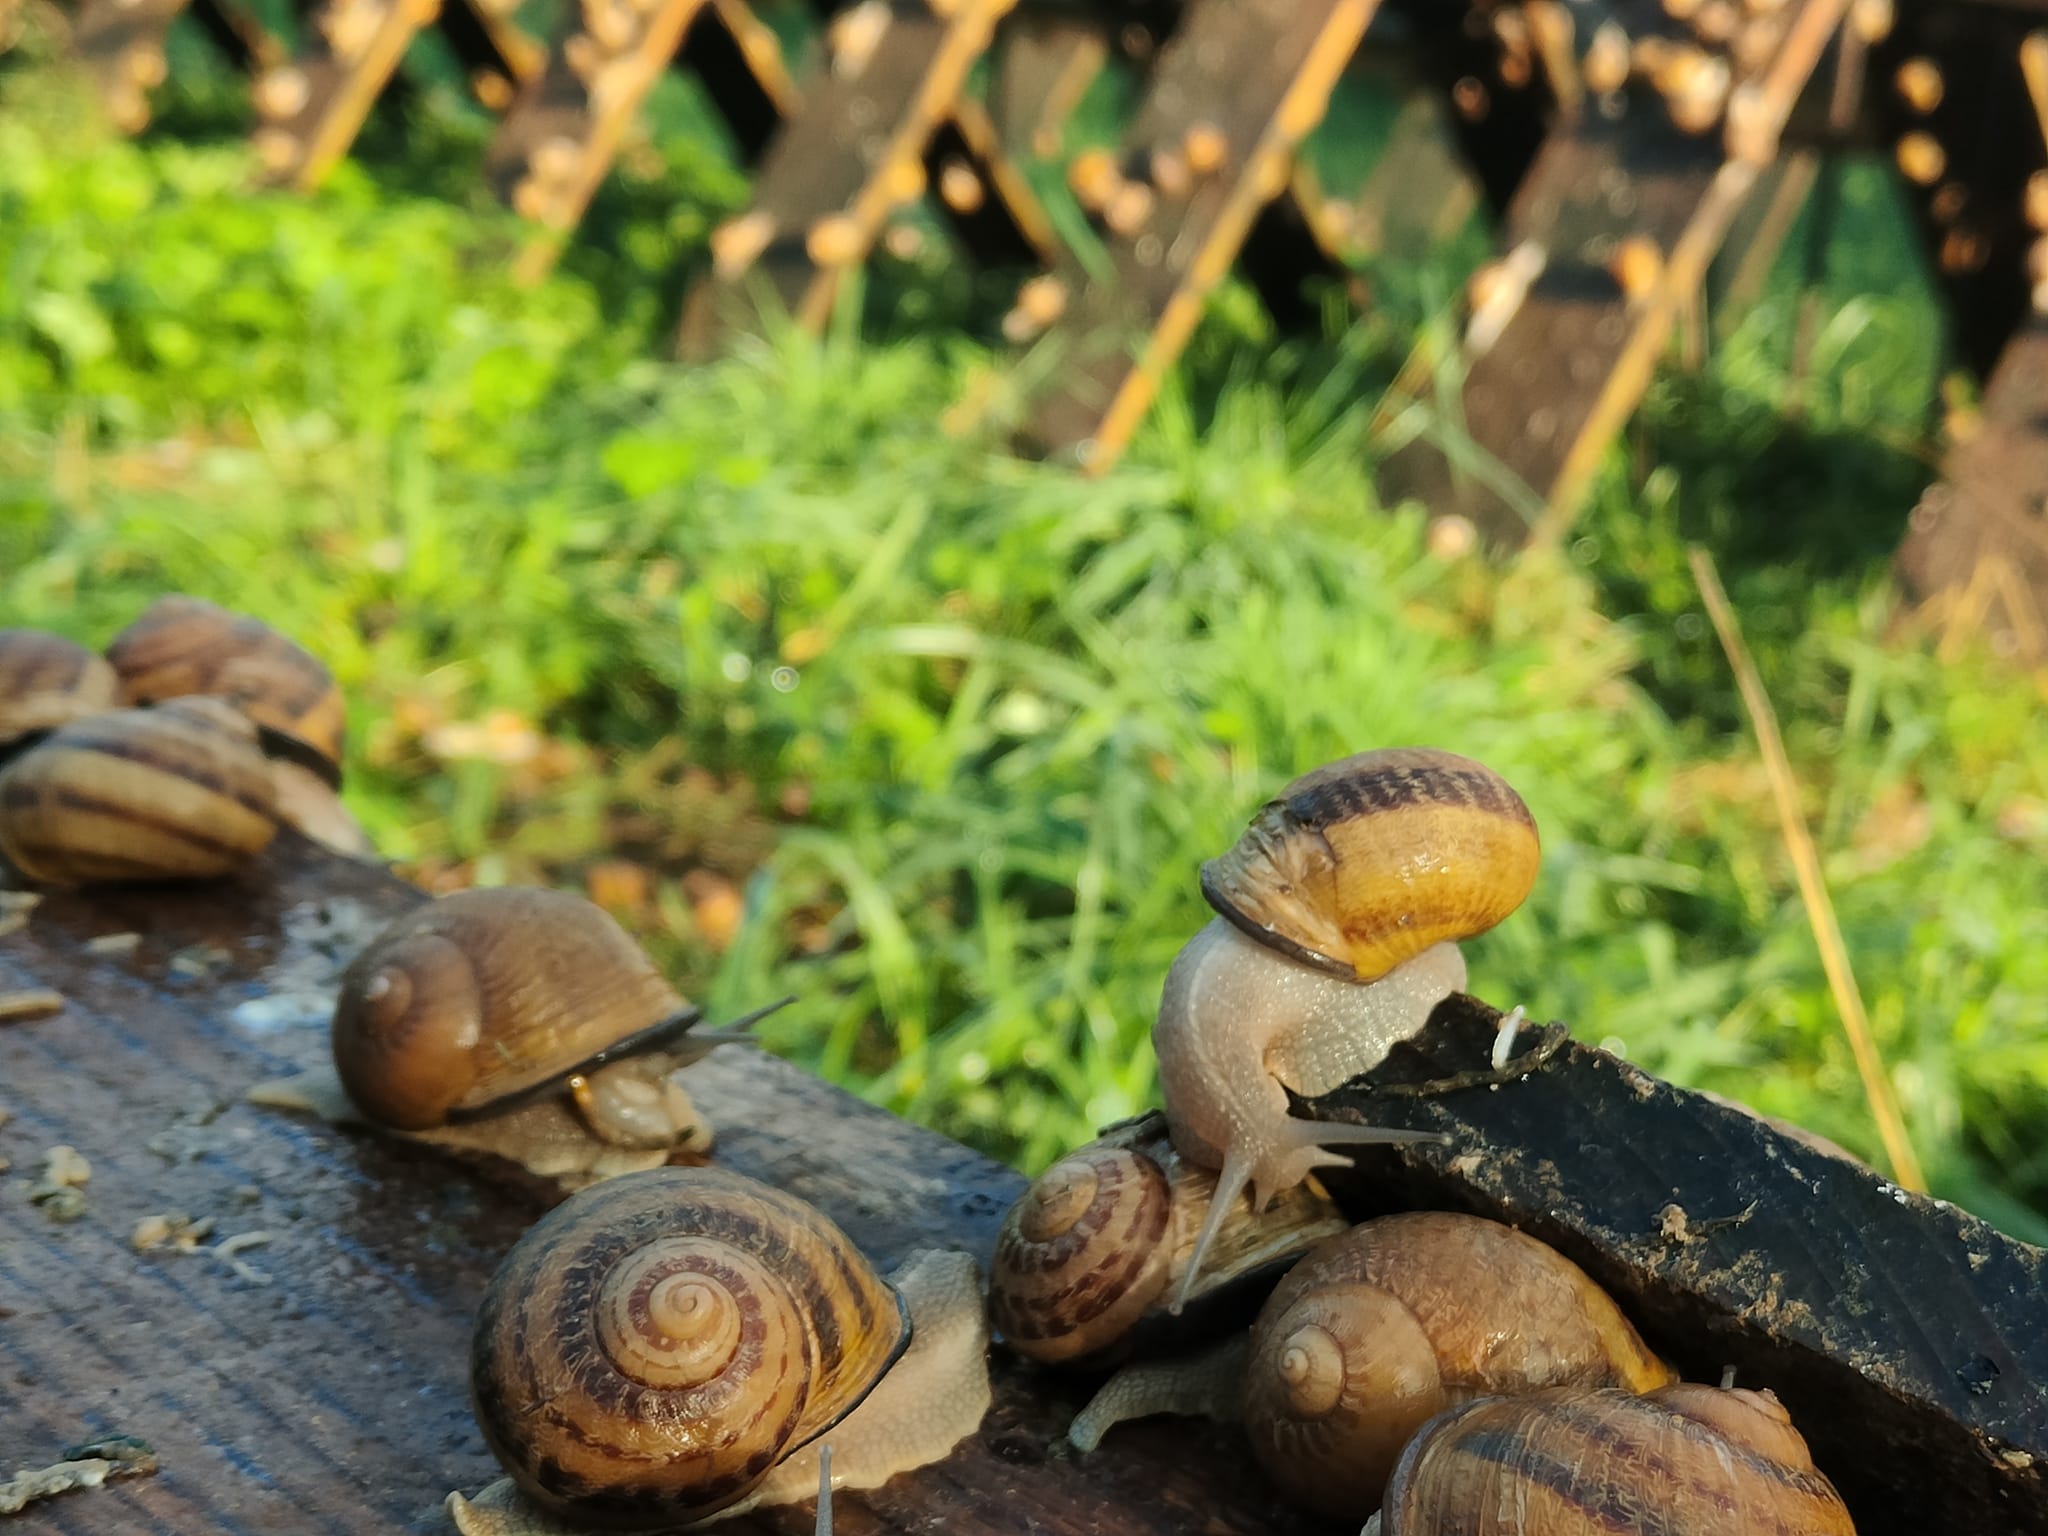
{"points": [[1086, 1258], [47, 681], [1684, 1460], [1375, 1332], [1339, 914], [182, 646], [668, 1346], [176, 792], [516, 1022]]}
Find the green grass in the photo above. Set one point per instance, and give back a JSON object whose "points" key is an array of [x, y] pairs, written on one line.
{"points": [[958, 728]]}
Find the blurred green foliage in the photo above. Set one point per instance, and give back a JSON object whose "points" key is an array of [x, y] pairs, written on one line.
{"points": [[827, 692]]}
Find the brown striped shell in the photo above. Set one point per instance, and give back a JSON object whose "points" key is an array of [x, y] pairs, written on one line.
{"points": [[1684, 1461], [185, 645], [1376, 1331], [1088, 1252], [1367, 862], [652, 1347], [176, 792], [47, 681], [483, 995]]}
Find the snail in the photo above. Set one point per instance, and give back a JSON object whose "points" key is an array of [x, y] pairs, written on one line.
{"points": [[1682, 1461], [514, 1022], [1339, 915], [672, 1345], [1085, 1256], [47, 681], [184, 645], [176, 792], [1376, 1331]]}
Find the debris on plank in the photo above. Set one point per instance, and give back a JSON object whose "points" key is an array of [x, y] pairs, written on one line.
{"points": [[82, 1466], [57, 1192], [112, 945], [29, 1003]]}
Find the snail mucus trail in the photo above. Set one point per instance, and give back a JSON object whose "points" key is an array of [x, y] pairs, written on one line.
{"points": [[1339, 911], [518, 1023], [679, 1345]]}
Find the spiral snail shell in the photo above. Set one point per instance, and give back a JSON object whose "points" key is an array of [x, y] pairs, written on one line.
{"points": [[1084, 1258], [1682, 1461], [519, 1022], [176, 792], [1376, 1331], [1339, 910], [663, 1347], [47, 681]]}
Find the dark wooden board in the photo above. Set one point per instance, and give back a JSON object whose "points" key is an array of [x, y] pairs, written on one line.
{"points": [[1908, 1339], [1975, 556], [333, 1399]]}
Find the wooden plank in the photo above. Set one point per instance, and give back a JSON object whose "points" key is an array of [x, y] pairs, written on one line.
{"points": [[1905, 1337], [1975, 555], [1213, 145], [333, 1398], [1620, 216], [852, 157], [1044, 67]]}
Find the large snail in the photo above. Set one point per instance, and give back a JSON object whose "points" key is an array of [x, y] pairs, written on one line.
{"points": [[1339, 910], [514, 1022], [183, 645], [176, 792], [1683, 1461], [679, 1344], [1376, 1331], [47, 681]]}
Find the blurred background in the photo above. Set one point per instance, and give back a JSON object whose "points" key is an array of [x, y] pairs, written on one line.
{"points": [[788, 657]]}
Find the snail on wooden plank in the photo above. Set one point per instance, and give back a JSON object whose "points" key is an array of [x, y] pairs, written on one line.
{"points": [[679, 1345]]}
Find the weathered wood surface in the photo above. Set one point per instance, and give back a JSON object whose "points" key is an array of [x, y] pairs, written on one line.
{"points": [[1908, 1339], [333, 1399]]}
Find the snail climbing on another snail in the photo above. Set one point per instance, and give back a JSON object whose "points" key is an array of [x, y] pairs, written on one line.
{"points": [[675, 1345], [1339, 915], [514, 1022], [1684, 1460], [1376, 1331], [182, 646], [178, 792]]}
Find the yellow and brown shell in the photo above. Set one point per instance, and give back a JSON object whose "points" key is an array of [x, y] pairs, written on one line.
{"points": [[47, 681], [1365, 863], [649, 1350]]}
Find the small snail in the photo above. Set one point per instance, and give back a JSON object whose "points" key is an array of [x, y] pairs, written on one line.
{"points": [[1683, 1461], [177, 792], [184, 645], [515, 1022], [673, 1345], [47, 681], [1340, 911], [1376, 1331], [1086, 1255]]}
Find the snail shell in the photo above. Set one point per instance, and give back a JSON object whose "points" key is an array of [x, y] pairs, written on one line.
{"points": [[1340, 911], [1376, 1331], [177, 792], [1087, 1254], [185, 645], [1367, 862], [1683, 1461], [656, 1346], [47, 681], [485, 995]]}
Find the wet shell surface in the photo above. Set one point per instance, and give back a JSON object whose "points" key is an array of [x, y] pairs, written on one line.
{"points": [[484, 994], [47, 681], [1092, 1247], [176, 792], [1367, 862], [185, 645], [1684, 1461], [1376, 1331], [655, 1345]]}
